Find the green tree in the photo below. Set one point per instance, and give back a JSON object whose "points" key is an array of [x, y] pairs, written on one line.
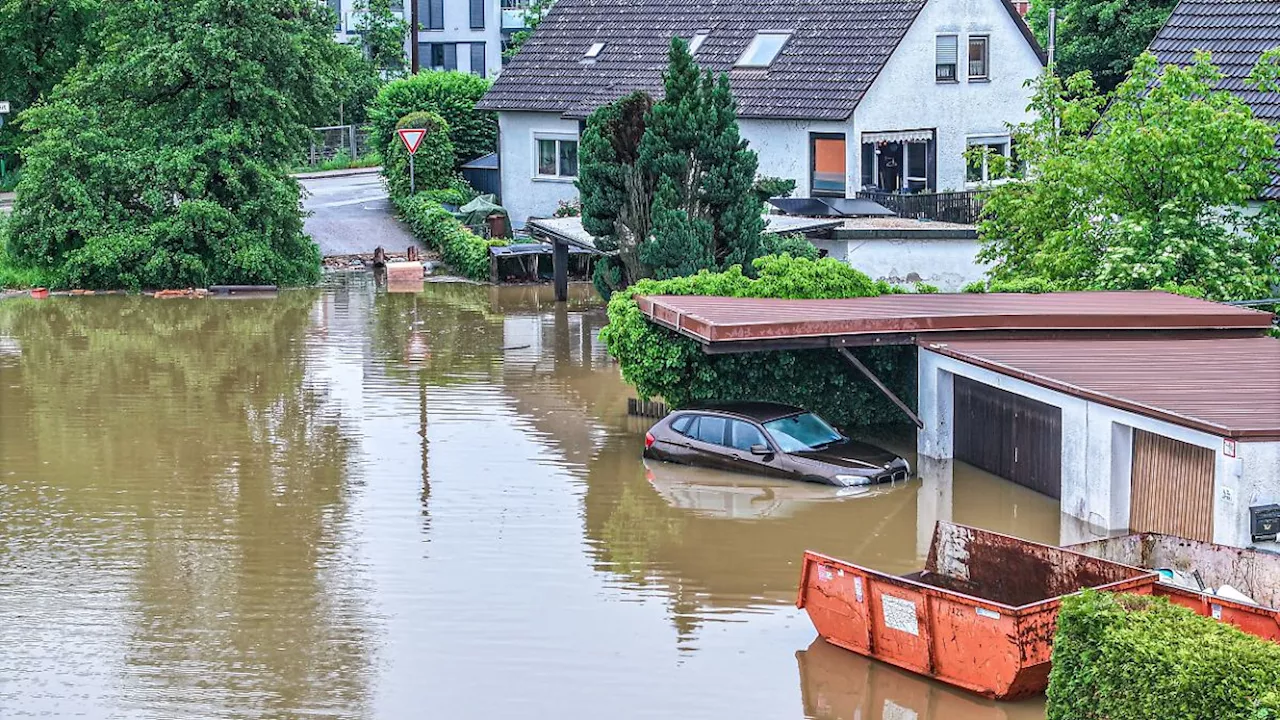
{"points": [[1100, 36], [448, 93], [164, 162], [1141, 188], [42, 41], [532, 15], [691, 171], [382, 35]]}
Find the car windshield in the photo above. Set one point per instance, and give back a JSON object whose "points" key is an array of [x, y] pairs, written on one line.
{"points": [[798, 433]]}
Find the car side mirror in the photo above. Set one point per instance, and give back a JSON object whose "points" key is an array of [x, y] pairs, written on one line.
{"points": [[761, 450]]}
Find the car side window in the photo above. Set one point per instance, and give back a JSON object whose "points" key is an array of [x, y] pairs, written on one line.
{"points": [[743, 435], [682, 423], [710, 429]]}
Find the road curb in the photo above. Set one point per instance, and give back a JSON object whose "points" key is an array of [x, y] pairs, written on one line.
{"points": [[337, 173]]}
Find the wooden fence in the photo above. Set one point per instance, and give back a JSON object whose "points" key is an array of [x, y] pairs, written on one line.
{"points": [[953, 207]]}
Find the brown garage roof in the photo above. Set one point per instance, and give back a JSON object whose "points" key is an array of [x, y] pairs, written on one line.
{"points": [[1228, 387], [744, 324]]}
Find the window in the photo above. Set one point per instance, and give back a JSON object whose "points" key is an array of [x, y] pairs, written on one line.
{"points": [[477, 14], [557, 158], [987, 159], [430, 14], [439, 56], [594, 51], [742, 435], [798, 433], [764, 47], [477, 59], [710, 429], [682, 423], [697, 41], [948, 55], [827, 151], [978, 58]]}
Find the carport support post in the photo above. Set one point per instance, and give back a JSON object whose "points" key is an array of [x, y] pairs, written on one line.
{"points": [[560, 268], [854, 361]]}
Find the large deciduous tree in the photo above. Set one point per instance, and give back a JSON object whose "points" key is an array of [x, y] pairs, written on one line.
{"points": [[1101, 36], [1139, 189], [163, 161], [681, 199]]}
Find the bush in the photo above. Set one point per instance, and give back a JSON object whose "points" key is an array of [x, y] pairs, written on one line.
{"points": [[1032, 285], [432, 164], [1119, 657], [659, 362], [464, 251], [767, 187], [797, 246], [450, 94]]}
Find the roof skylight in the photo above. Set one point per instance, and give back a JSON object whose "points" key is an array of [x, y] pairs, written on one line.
{"points": [[697, 41], [762, 51], [594, 51]]}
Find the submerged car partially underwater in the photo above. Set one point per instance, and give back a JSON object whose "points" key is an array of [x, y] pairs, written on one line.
{"points": [[772, 440]]}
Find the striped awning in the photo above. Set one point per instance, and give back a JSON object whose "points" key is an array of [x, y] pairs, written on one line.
{"points": [[898, 136]]}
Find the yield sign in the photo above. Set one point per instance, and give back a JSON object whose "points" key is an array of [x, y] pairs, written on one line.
{"points": [[411, 138]]}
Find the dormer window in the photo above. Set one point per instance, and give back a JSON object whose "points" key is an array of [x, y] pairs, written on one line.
{"points": [[697, 41], [594, 51], [762, 51]]}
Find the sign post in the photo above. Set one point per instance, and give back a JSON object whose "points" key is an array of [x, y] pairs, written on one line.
{"points": [[4, 110], [412, 139]]}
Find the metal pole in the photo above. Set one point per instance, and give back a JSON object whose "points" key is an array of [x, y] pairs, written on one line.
{"points": [[854, 361], [1053, 36], [560, 268], [413, 36], [412, 178]]}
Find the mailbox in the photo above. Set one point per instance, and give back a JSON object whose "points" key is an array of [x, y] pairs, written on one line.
{"points": [[1264, 522]]}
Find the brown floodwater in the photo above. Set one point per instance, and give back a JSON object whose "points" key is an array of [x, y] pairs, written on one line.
{"points": [[348, 503]]}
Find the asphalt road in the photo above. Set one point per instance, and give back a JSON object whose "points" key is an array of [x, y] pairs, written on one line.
{"points": [[351, 215]]}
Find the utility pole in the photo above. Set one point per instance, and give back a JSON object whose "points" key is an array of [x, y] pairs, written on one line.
{"points": [[1053, 35], [413, 36]]}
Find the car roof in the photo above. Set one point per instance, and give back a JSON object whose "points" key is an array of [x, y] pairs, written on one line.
{"points": [[757, 411]]}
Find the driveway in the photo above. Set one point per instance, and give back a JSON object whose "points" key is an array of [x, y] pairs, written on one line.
{"points": [[351, 215]]}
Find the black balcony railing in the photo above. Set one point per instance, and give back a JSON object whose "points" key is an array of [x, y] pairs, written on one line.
{"points": [[953, 207]]}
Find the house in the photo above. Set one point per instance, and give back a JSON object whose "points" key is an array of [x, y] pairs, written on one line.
{"points": [[1235, 33], [465, 35], [1143, 411], [838, 95]]}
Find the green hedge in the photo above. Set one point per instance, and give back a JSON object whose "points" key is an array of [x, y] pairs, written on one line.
{"points": [[464, 251], [432, 164], [1123, 657], [659, 362], [450, 94]]}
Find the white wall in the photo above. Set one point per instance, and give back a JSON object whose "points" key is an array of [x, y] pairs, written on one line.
{"points": [[1096, 447], [950, 264], [523, 193], [783, 146], [906, 95], [457, 29]]}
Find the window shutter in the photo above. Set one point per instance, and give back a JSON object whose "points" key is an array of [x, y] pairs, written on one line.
{"points": [[424, 14], [477, 59], [437, 14], [948, 50], [477, 14], [451, 56]]}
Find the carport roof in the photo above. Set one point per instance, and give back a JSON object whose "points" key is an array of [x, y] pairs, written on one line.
{"points": [[723, 324], [1228, 387]]}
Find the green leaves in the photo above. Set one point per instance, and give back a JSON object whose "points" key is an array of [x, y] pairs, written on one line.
{"points": [[1101, 37], [1147, 194], [448, 93], [466, 252]]}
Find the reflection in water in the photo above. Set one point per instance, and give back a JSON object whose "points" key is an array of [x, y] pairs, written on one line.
{"points": [[355, 503], [840, 685]]}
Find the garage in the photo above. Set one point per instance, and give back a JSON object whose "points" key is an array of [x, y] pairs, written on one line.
{"points": [[1172, 487], [1008, 435]]}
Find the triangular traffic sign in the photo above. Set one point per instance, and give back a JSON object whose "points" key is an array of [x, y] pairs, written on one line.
{"points": [[411, 138]]}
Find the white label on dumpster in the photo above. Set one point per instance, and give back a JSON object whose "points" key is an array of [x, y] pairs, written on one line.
{"points": [[900, 614], [824, 573], [983, 612], [1217, 611], [857, 587]]}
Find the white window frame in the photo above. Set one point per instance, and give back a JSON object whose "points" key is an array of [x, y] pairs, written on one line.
{"points": [[557, 138], [696, 41], [985, 141], [754, 45], [986, 58]]}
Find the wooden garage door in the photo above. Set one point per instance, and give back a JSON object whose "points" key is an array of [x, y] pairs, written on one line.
{"points": [[1009, 435], [1172, 487]]}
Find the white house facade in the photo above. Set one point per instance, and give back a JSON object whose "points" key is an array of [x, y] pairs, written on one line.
{"points": [[895, 112]]}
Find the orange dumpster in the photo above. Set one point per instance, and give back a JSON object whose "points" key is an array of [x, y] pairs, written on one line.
{"points": [[980, 616], [1253, 573]]}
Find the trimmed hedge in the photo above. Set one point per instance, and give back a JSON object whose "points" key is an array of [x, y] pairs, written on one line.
{"points": [[433, 163], [659, 362], [464, 251], [450, 94], [1126, 657]]}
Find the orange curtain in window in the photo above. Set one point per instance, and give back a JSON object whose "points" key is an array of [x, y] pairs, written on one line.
{"points": [[828, 165]]}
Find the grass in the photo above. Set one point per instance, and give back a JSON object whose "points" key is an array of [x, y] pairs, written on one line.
{"points": [[9, 180], [12, 276], [342, 162]]}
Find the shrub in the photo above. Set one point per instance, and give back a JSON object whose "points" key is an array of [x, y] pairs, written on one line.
{"points": [[659, 362], [1118, 657], [464, 251], [795, 245], [450, 94], [432, 164], [1032, 285], [767, 187]]}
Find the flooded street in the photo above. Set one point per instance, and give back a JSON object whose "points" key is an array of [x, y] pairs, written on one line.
{"points": [[347, 503]]}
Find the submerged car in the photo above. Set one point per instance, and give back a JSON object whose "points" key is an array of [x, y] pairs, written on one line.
{"points": [[772, 440]]}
